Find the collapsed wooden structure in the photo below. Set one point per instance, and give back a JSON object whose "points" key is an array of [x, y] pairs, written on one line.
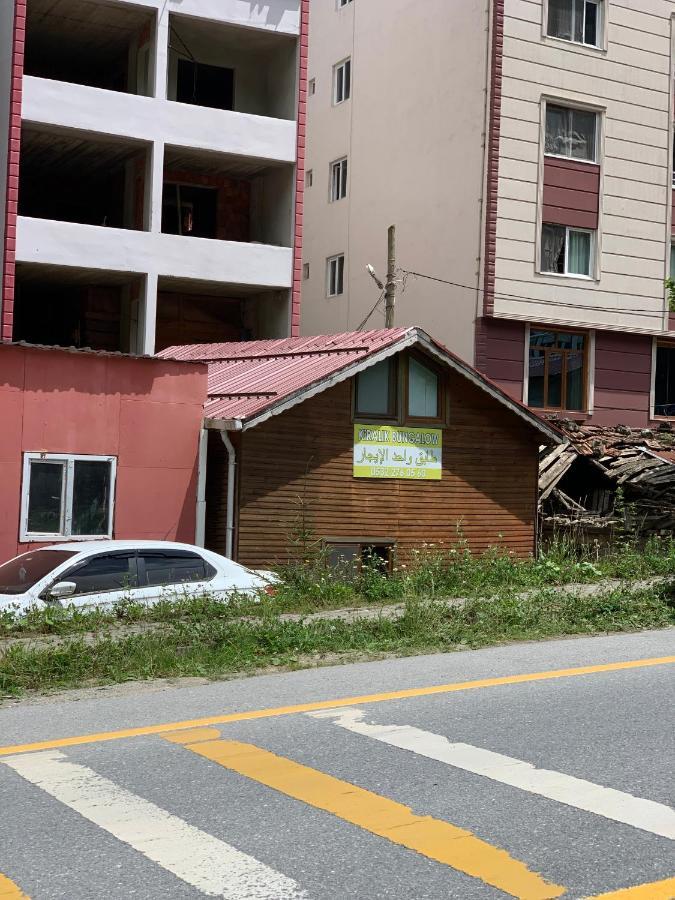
{"points": [[607, 479]]}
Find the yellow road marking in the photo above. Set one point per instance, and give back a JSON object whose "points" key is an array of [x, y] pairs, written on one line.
{"points": [[9, 891], [406, 694], [658, 890], [430, 837]]}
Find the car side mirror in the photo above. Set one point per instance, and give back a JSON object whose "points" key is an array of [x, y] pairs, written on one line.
{"points": [[61, 590]]}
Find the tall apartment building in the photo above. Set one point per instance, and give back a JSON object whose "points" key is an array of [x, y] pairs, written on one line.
{"points": [[524, 149], [151, 170]]}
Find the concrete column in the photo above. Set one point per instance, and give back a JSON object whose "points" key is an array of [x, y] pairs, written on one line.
{"points": [[147, 316], [161, 54], [154, 186]]}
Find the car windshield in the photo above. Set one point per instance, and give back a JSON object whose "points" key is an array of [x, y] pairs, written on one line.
{"points": [[20, 574]]}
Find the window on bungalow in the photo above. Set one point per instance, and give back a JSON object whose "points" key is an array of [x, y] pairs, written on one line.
{"points": [[575, 20], [376, 390], [557, 370], [664, 383], [423, 391], [570, 132], [566, 251]]}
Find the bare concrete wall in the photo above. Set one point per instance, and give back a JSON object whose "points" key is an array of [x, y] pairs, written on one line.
{"points": [[413, 135]]}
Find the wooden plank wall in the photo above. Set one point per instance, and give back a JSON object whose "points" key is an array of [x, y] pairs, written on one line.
{"points": [[298, 466]]}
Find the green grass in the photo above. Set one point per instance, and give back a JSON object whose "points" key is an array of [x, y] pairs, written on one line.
{"points": [[433, 572], [218, 646]]}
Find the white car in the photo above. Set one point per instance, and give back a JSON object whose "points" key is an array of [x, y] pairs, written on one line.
{"points": [[101, 573]]}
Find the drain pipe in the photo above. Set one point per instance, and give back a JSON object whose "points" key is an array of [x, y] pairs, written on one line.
{"points": [[229, 519], [200, 524]]}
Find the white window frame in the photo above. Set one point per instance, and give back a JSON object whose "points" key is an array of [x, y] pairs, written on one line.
{"points": [[68, 461], [566, 273], [574, 107], [599, 26], [341, 66], [341, 166], [334, 260]]}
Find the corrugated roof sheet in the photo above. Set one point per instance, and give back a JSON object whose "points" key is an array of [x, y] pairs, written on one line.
{"points": [[252, 379], [248, 376]]}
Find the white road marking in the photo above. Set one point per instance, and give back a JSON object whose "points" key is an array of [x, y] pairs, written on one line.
{"points": [[198, 858], [647, 815]]}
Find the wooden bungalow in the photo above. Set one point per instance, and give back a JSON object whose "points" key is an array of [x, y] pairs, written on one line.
{"points": [[374, 442]]}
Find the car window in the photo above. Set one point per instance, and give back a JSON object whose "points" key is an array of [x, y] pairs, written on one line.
{"points": [[173, 567], [108, 572], [22, 573]]}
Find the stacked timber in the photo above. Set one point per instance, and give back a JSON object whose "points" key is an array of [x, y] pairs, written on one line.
{"points": [[608, 478]]}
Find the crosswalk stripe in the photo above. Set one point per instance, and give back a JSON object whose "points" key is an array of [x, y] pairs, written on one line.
{"points": [[197, 858], [9, 891], [435, 839], [657, 890], [647, 815]]}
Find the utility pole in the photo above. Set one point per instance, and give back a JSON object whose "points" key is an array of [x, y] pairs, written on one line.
{"points": [[390, 286]]}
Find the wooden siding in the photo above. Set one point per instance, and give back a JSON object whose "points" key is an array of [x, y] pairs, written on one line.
{"points": [[571, 191], [298, 465]]}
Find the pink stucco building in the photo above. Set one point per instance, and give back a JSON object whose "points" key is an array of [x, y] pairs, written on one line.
{"points": [[97, 445]]}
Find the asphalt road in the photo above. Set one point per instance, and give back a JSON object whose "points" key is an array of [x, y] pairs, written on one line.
{"points": [[532, 771]]}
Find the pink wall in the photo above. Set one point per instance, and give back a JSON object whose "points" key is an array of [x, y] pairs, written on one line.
{"points": [[504, 354], [147, 413], [300, 169]]}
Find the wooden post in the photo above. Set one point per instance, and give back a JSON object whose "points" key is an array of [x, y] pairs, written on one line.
{"points": [[390, 286]]}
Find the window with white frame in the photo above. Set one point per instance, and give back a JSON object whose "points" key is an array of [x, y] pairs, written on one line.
{"points": [[66, 496], [342, 81], [579, 21], [335, 275], [567, 251], [571, 132], [338, 179]]}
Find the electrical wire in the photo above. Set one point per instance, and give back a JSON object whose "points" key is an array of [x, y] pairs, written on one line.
{"points": [[523, 299], [365, 321]]}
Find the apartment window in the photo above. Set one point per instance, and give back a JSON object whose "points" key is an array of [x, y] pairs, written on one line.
{"points": [[338, 180], [342, 3], [376, 390], [67, 496], [342, 81], [575, 20], [566, 251], [309, 178], [664, 383], [571, 133], [311, 85], [335, 275], [557, 370], [305, 271]]}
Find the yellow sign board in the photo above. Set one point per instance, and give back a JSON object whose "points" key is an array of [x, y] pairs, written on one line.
{"points": [[398, 451]]}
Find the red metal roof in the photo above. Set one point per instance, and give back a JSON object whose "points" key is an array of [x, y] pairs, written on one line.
{"points": [[252, 379], [248, 376]]}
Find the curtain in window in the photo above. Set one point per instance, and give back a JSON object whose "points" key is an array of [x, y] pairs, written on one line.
{"points": [[570, 132], [560, 19], [557, 130], [579, 253], [552, 248]]}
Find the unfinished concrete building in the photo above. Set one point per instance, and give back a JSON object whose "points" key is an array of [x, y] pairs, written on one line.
{"points": [[150, 178]]}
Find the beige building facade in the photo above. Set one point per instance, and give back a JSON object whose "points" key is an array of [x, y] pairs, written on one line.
{"points": [[524, 149]]}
